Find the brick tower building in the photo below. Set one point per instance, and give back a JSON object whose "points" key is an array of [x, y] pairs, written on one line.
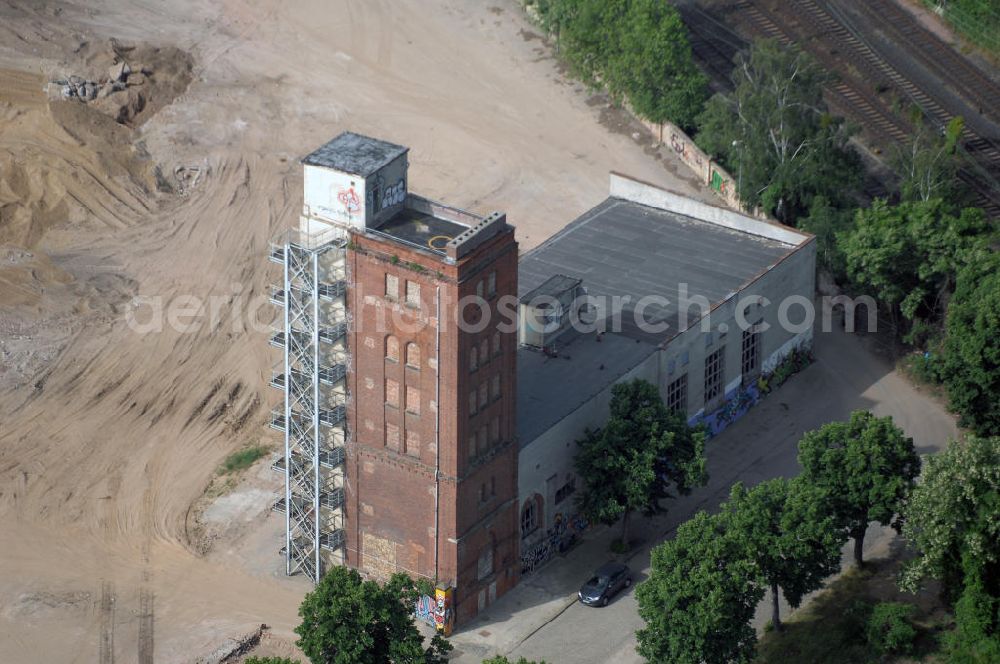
{"points": [[429, 473]]}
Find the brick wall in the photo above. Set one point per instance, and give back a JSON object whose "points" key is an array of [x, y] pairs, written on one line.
{"points": [[408, 416]]}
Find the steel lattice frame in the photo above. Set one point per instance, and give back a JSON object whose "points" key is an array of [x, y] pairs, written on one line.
{"points": [[312, 464]]}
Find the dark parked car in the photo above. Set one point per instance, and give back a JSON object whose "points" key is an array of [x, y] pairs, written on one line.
{"points": [[607, 581]]}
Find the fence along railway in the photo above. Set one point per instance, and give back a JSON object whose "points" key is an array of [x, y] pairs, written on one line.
{"points": [[872, 88]]}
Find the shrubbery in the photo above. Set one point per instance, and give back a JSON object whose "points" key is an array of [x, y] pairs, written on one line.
{"points": [[637, 50], [889, 629]]}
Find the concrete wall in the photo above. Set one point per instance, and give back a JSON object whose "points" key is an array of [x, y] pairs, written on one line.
{"points": [[545, 464], [792, 277], [385, 191], [333, 196], [700, 163]]}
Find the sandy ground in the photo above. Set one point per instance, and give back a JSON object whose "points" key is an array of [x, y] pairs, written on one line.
{"points": [[108, 437]]}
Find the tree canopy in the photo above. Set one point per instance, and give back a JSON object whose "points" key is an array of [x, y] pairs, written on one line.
{"points": [[641, 454], [700, 596], [775, 135], [928, 164], [637, 49], [971, 363], [908, 255], [347, 620], [954, 514], [784, 528], [953, 520], [866, 467]]}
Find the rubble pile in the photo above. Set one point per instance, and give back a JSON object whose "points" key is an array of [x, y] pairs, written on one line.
{"points": [[120, 76]]}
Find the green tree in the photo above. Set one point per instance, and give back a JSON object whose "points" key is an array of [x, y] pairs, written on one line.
{"points": [[347, 620], [590, 35], [866, 467], [953, 517], [700, 596], [784, 528], [653, 67], [976, 639], [640, 455], [826, 221], [971, 362], [775, 134], [927, 166], [637, 49], [908, 256]]}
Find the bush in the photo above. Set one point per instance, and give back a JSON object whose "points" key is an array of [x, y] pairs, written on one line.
{"points": [[243, 459], [889, 629]]}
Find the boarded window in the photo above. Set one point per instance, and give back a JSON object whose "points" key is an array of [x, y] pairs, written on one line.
{"points": [[392, 436], [495, 387], [413, 442], [481, 445], [485, 567], [473, 403], [392, 286], [495, 430], [413, 355], [392, 392], [392, 348], [473, 359], [412, 294], [412, 400], [484, 396], [491, 284], [496, 344]]}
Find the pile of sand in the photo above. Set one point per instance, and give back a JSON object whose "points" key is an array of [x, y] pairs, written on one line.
{"points": [[68, 161]]}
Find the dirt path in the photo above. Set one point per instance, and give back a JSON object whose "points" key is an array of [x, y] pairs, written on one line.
{"points": [[108, 436]]}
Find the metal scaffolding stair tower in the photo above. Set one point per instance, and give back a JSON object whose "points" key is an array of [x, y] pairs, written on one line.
{"points": [[312, 334]]}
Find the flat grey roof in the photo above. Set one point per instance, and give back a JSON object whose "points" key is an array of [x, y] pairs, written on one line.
{"points": [[622, 248], [422, 229], [355, 154], [550, 388]]}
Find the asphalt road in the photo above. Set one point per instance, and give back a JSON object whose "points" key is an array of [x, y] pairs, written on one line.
{"points": [[762, 445]]}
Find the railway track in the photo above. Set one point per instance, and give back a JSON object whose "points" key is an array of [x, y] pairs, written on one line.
{"points": [[713, 45], [829, 33]]}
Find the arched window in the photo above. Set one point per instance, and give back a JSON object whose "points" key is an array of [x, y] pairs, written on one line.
{"points": [[473, 359], [529, 517], [413, 355], [392, 348]]}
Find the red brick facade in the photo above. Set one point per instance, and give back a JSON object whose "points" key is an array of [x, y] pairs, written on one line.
{"points": [[408, 416]]}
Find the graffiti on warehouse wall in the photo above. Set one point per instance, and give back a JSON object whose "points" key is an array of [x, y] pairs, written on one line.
{"points": [[742, 399], [559, 538]]}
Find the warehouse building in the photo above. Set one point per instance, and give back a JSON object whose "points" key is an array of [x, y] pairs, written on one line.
{"points": [[437, 439], [695, 299]]}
